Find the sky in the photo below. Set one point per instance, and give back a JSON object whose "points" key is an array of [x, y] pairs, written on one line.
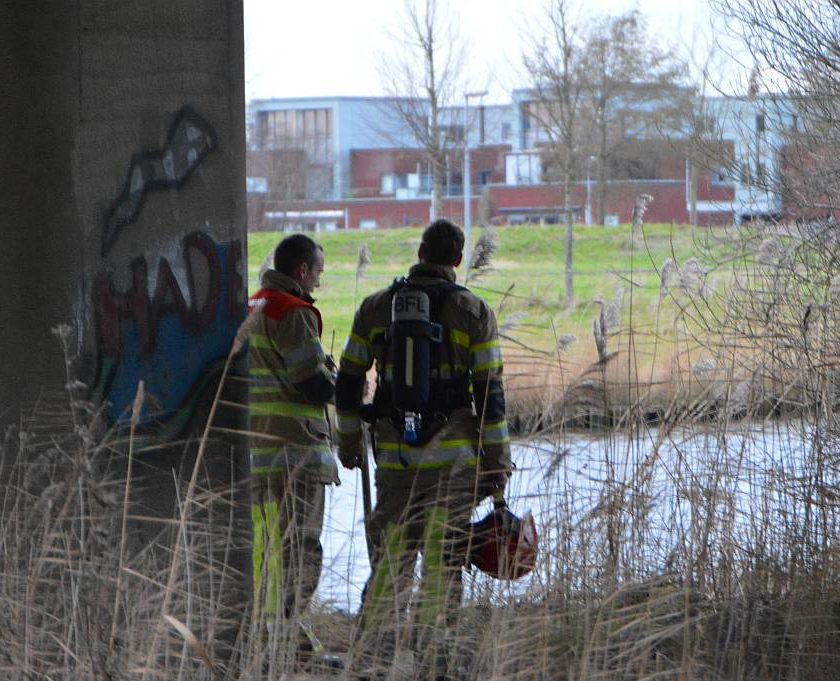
{"points": [[308, 48]]}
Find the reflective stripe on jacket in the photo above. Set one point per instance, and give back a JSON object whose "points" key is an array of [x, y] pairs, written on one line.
{"points": [[287, 431], [473, 349]]}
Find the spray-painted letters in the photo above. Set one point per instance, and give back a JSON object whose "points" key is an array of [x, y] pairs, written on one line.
{"points": [[173, 339], [189, 141]]}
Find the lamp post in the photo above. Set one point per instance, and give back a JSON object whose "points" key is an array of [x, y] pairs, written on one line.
{"points": [[589, 191], [468, 178]]}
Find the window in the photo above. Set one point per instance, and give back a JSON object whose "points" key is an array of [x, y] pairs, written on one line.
{"points": [[759, 123], [484, 177], [505, 132], [309, 129], [367, 223], [386, 183], [256, 185]]}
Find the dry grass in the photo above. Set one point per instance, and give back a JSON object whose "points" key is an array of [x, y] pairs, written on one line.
{"points": [[703, 546]]}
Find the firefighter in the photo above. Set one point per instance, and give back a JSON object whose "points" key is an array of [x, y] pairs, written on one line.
{"points": [[440, 442], [291, 382]]}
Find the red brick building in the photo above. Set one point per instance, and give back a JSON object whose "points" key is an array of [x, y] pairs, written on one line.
{"points": [[339, 170]]}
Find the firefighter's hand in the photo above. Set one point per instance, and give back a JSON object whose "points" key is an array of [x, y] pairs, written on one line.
{"points": [[492, 482], [351, 449], [332, 367]]}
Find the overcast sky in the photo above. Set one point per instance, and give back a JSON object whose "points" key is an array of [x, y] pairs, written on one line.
{"points": [[300, 48]]}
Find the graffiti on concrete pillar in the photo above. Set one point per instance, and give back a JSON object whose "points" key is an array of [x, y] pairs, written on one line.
{"points": [[174, 333], [189, 140]]}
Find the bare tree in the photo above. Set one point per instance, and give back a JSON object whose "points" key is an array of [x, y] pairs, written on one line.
{"points": [[794, 85], [555, 64], [296, 169], [604, 70], [422, 77], [634, 88]]}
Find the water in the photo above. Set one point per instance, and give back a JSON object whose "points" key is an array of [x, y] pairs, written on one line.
{"points": [[656, 488]]}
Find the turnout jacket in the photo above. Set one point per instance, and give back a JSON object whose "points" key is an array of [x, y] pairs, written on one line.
{"points": [[290, 383], [474, 435]]}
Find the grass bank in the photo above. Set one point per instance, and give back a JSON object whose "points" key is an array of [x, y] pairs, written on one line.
{"points": [[627, 328]]}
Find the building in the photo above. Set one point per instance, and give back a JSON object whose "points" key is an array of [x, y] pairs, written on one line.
{"points": [[353, 163]]}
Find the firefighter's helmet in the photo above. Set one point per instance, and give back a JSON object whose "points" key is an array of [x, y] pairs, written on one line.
{"points": [[504, 545]]}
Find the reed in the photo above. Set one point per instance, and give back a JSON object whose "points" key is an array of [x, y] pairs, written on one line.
{"points": [[699, 544]]}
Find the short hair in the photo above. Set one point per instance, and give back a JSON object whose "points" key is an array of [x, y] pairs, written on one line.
{"points": [[443, 242], [294, 250]]}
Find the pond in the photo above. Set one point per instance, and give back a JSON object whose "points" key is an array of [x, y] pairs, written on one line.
{"points": [[650, 497]]}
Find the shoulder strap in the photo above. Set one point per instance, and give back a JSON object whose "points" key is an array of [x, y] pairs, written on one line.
{"points": [[277, 304], [397, 284], [438, 294], [438, 291]]}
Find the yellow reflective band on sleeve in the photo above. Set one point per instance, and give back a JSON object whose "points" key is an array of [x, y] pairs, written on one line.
{"points": [[496, 433], [303, 353], [258, 340], [347, 424], [458, 337], [357, 351], [353, 359], [261, 371], [286, 409], [374, 332], [356, 339], [480, 348], [486, 356]]}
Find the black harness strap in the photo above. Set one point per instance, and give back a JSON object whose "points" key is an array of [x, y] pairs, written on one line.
{"points": [[446, 394]]}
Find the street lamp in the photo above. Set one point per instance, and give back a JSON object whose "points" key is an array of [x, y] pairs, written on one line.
{"points": [[468, 178], [589, 191]]}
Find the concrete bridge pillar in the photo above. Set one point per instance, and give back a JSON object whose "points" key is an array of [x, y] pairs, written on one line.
{"points": [[122, 205]]}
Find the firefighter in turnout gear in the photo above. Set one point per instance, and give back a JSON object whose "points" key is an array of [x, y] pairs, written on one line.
{"points": [[291, 381], [440, 442]]}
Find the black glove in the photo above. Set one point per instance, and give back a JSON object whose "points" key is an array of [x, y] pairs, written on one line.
{"points": [[492, 482], [332, 367], [351, 450]]}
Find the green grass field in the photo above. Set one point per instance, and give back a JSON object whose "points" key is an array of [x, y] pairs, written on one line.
{"points": [[526, 277]]}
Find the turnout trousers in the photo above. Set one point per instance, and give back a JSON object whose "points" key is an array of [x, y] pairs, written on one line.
{"points": [[426, 513], [287, 513]]}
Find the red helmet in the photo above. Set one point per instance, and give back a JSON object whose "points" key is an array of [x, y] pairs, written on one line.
{"points": [[503, 545]]}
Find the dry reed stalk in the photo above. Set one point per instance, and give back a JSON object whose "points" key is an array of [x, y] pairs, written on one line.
{"points": [[361, 266], [136, 410], [482, 255], [195, 645], [190, 492]]}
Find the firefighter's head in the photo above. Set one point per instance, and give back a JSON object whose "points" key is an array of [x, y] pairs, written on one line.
{"points": [[300, 258], [442, 244]]}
